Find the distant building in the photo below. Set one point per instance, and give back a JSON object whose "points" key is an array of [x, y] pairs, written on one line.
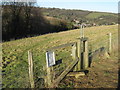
{"points": [[94, 24], [76, 21], [100, 18]]}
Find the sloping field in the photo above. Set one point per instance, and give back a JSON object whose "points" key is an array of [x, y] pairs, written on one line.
{"points": [[97, 15], [15, 60]]}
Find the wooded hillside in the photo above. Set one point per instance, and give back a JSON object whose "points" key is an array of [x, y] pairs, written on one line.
{"points": [[26, 20], [88, 17]]}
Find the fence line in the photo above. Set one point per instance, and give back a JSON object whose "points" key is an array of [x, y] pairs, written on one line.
{"points": [[78, 62], [102, 43], [106, 35]]}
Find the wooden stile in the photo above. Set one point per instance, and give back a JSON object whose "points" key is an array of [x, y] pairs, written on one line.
{"points": [[64, 73], [75, 64]]}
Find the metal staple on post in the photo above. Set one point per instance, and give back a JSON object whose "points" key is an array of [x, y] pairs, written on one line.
{"points": [[30, 62]]}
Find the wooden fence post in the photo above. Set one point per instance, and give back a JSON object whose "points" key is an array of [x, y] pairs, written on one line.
{"points": [[48, 80], [79, 55], [85, 54], [74, 54], [30, 62], [82, 31], [110, 43]]}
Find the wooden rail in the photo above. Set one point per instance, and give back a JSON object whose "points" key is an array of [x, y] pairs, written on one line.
{"points": [[49, 81], [75, 65], [64, 73], [61, 46]]}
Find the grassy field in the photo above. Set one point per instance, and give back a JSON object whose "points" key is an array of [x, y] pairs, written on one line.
{"points": [[14, 53], [97, 15]]}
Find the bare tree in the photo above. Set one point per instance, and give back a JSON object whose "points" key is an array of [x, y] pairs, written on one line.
{"points": [[16, 9]]}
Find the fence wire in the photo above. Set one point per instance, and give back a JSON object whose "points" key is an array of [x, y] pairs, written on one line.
{"points": [[95, 44], [63, 58]]}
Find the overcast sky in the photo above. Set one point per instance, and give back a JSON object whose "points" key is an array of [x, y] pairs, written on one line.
{"points": [[91, 5]]}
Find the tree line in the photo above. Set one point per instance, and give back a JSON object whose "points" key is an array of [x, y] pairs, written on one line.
{"points": [[21, 20]]}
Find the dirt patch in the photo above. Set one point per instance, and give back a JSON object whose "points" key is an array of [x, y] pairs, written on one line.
{"points": [[103, 73]]}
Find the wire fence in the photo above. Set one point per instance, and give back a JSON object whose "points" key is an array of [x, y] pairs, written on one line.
{"points": [[63, 57], [95, 44]]}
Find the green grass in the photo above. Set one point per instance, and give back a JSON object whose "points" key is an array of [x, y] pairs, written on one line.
{"points": [[14, 53], [98, 14]]}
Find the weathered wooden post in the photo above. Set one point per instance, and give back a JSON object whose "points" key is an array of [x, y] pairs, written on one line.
{"points": [[78, 49], [79, 55], [50, 60], [85, 54], [84, 49], [74, 55], [82, 31], [110, 43], [48, 79], [30, 62]]}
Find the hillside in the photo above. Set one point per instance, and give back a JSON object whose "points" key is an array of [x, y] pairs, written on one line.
{"points": [[15, 60], [58, 25], [88, 17], [20, 23]]}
